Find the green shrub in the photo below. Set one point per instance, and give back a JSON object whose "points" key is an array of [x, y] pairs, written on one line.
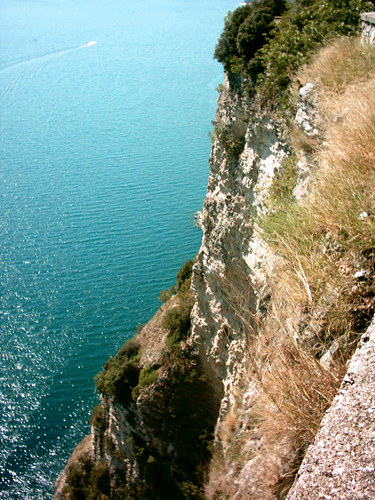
{"points": [[148, 376], [177, 321], [100, 481], [184, 274], [193, 491], [120, 373], [129, 350], [87, 480], [232, 146], [245, 32], [165, 295], [97, 418], [306, 26], [183, 279], [254, 48]]}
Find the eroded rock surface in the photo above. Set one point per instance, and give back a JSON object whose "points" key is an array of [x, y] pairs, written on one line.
{"points": [[340, 464]]}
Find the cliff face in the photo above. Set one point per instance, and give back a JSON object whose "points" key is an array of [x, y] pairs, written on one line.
{"points": [[230, 276], [255, 305], [154, 444]]}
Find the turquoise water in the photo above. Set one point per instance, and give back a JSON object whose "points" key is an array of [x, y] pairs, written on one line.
{"points": [[104, 159]]}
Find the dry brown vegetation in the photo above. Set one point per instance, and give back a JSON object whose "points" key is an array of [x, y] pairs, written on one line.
{"points": [[329, 236], [318, 304], [344, 62]]}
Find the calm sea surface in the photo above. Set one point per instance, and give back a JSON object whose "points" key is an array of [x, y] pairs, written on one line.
{"points": [[104, 159]]}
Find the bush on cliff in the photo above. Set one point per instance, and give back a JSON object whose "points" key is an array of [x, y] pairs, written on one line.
{"points": [[165, 295], [183, 280], [184, 274], [306, 26], [97, 418], [245, 32], [87, 480], [251, 45], [177, 320], [147, 376], [120, 373]]}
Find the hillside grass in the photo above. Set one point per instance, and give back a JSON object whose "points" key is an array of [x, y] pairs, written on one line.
{"points": [[322, 241], [322, 286], [330, 235]]}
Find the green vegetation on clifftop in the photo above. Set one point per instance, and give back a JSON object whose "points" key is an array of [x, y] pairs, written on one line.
{"points": [[254, 48], [245, 32]]}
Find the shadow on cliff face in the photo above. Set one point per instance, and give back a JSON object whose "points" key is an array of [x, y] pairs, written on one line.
{"points": [[168, 435], [152, 432], [180, 414]]}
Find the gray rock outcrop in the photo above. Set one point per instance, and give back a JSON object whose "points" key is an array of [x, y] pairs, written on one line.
{"points": [[368, 27], [340, 464]]}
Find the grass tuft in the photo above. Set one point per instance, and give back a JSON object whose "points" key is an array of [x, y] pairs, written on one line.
{"points": [[344, 62]]}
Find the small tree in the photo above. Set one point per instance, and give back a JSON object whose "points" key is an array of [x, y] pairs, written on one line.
{"points": [[165, 295], [184, 273], [245, 32]]}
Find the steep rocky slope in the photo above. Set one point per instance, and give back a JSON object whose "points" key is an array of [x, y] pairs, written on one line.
{"points": [[233, 401], [230, 272], [294, 292]]}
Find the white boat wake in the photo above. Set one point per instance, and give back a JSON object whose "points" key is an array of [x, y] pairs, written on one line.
{"points": [[51, 56], [35, 64], [89, 44]]}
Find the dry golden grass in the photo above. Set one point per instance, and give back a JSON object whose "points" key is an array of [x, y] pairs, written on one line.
{"points": [[344, 62], [294, 390], [227, 427], [291, 391], [321, 241], [219, 486], [345, 181], [324, 238]]}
